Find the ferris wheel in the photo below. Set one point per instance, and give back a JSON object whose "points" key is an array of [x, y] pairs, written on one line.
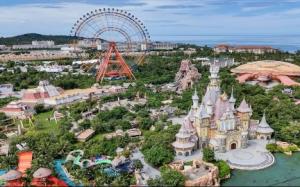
{"points": [[117, 34]]}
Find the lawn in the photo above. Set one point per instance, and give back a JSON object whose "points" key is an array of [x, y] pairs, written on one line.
{"points": [[42, 123]]}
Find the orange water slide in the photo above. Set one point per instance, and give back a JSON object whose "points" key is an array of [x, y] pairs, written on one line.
{"points": [[25, 159]]}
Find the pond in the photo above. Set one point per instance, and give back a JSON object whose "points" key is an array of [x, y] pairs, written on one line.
{"points": [[285, 172]]}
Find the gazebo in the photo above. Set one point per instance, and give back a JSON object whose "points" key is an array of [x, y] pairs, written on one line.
{"points": [[42, 177], [12, 178]]}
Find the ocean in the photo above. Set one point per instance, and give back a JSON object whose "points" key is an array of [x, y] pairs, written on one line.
{"points": [[289, 43]]}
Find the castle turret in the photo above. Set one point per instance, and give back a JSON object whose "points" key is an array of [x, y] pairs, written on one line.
{"points": [[232, 100], [214, 77], [209, 107], [185, 139], [264, 131], [244, 113], [195, 99]]}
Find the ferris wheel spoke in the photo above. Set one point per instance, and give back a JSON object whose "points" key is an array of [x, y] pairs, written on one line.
{"points": [[112, 25]]}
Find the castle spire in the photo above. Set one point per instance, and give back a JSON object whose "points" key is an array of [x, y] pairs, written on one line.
{"points": [[244, 107], [195, 99], [214, 77], [263, 126], [232, 99]]}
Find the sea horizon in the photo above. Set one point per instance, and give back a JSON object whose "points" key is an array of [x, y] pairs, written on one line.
{"points": [[290, 43]]}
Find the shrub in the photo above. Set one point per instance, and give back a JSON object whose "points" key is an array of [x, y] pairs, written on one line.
{"points": [[171, 177], [224, 169], [40, 108], [208, 155], [293, 148], [272, 147]]}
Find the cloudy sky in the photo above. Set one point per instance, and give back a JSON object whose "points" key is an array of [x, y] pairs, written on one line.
{"points": [[163, 18]]}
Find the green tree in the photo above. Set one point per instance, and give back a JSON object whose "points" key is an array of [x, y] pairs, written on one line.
{"points": [[171, 177], [291, 133], [40, 108], [208, 155], [159, 155], [155, 182], [85, 124], [138, 164]]}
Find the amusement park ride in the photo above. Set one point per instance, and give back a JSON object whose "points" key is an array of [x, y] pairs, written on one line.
{"points": [[117, 34]]}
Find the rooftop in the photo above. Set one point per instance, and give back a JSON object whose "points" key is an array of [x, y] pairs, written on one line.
{"points": [[268, 67]]}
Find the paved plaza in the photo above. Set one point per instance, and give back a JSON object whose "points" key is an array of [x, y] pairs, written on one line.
{"points": [[254, 157]]}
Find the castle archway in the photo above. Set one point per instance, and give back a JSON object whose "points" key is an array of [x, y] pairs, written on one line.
{"points": [[233, 146]]}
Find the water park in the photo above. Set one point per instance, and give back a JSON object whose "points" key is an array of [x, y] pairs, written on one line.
{"points": [[44, 177], [41, 177]]}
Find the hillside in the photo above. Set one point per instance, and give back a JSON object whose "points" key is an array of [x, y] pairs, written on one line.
{"points": [[27, 38]]}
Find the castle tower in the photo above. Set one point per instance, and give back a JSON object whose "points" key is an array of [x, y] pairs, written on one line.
{"points": [[185, 139], [222, 143], [244, 139], [244, 113], [209, 107], [232, 100], [203, 128], [264, 131], [214, 77], [195, 99]]}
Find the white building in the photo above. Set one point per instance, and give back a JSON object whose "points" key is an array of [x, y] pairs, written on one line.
{"points": [[36, 45], [163, 46], [63, 99], [6, 90], [17, 110], [43, 44], [50, 69]]}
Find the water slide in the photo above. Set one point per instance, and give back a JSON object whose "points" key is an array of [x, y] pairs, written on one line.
{"points": [[102, 162], [25, 159], [76, 157], [77, 160], [62, 173]]}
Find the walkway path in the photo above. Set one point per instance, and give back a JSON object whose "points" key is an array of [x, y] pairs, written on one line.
{"points": [[150, 171]]}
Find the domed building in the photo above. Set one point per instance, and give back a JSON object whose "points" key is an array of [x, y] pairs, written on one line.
{"points": [[267, 73]]}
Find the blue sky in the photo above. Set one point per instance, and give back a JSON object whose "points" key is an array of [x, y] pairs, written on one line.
{"points": [[163, 18]]}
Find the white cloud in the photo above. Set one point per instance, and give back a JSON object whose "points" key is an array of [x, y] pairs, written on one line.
{"points": [[59, 18]]}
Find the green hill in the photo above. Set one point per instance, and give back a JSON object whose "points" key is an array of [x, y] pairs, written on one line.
{"points": [[27, 38]]}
